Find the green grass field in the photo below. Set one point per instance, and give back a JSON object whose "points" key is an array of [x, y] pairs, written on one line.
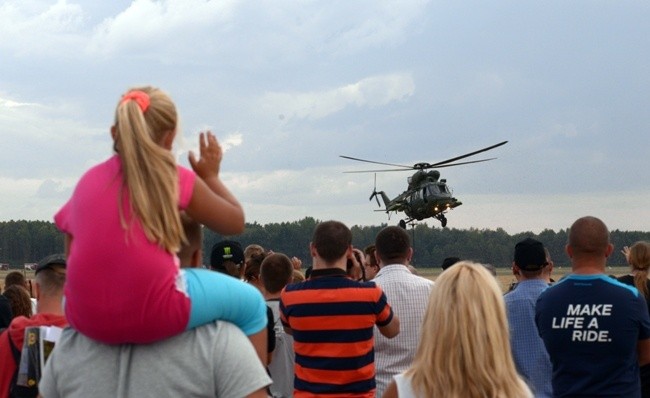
{"points": [[504, 275]]}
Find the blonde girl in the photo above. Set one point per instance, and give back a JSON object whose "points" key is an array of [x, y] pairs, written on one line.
{"points": [[638, 257], [464, 348], [123, 230]]}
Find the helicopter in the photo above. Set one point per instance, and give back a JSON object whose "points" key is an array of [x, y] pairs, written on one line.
{"points": [[427, 195]]}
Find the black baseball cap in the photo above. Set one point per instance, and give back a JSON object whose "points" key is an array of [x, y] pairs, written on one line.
{"points": [[530, 255], [226, 250]]}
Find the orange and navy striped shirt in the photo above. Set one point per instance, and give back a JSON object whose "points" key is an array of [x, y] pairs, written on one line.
{"points": [[332, 319]]}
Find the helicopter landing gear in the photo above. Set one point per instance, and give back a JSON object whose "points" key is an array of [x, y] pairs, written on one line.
{"points": [[442, 219], [402, 224]]}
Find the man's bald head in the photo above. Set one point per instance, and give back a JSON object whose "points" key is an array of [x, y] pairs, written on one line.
{"points": [[589, 237]]}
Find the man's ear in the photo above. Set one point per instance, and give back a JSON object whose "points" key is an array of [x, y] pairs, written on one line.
{"points": [[515, 269], [37, 290], [312, 250], [409, 255], [377, 259], [609, 250], [569, 251]]}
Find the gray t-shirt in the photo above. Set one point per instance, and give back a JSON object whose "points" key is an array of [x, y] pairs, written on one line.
{"points": [[215, 360], [281, 367]]}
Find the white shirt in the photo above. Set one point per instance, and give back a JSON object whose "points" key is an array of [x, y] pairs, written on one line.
{"points": [[408, 296], [404, 386]]}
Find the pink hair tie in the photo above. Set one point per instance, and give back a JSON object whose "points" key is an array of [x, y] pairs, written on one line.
{"points": [[140, 97]]}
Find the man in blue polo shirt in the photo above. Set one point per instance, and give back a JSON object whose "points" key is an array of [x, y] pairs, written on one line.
{"points": [[528, 349], [595, 329]]}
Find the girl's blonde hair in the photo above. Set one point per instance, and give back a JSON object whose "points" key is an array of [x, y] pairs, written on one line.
{"points": [[639, 259], [464, 348], [148, 169]]}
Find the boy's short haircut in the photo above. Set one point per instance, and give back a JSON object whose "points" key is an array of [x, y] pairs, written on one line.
{"points": [[331, 240], [276, 272], [52, 279], [14, 278], [392, 244]]}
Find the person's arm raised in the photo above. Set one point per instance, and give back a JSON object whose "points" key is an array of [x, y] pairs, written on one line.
{"points": [[212, 203]]}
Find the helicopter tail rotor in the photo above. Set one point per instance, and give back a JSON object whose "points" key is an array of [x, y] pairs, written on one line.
{"points": [[375, 193]]}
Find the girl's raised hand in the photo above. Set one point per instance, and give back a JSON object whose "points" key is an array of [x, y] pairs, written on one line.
{"points": [[626, 253], [210, 156]]}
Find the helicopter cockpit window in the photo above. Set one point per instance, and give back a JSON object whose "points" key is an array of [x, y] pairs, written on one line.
{"points": [[443, 188], [432, 190]]}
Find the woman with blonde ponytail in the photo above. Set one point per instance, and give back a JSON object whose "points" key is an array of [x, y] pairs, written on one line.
{"points": [[638, 257], [464, 349], [123, 230]]}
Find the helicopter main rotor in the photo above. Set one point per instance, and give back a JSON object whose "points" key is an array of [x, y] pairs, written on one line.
{"points": [[424, 165]]}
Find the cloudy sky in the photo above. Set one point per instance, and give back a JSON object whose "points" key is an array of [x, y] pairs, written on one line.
{"points": [[288, 86]]}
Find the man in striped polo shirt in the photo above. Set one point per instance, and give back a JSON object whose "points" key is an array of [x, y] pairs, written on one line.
{"points": [[331, 318]]}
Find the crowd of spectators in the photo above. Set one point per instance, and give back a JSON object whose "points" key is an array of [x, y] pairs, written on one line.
{"points": [[389, 336], [143, 317]]}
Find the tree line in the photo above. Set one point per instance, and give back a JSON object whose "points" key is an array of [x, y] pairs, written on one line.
{"points": [[29, 241]]}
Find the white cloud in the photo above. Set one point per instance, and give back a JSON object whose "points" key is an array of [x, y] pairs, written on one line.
{"points": [[523, 212], [231, 141], [32, 199], [190, 31], [151, 26], [8, 104], [184, 145], [370, 92], [39, 28], [40, 140], [53, 189], [282, 187], [369, 24], [287, 86]]}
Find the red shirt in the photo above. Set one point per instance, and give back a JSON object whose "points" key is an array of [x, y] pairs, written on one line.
{"points": [[16, 332]]}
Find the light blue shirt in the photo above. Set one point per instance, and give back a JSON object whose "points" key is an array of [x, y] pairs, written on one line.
{"points": [[528, 349]]}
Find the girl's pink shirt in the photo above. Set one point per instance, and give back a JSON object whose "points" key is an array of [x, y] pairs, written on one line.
{"points": [[120, 287]]}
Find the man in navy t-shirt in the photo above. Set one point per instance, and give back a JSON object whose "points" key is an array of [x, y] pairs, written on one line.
{"points": [[595, 329]]}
